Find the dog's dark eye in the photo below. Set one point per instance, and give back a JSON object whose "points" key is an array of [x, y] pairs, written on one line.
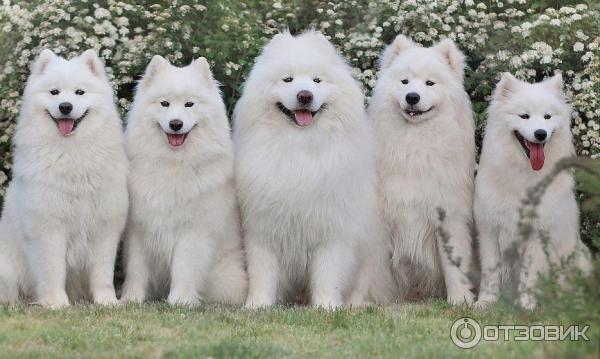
{"points": [[317, 80], [524, 116], [164, 103], [405, 81], [288, 79], [79, 92], [54, 92], [429, 83], [189, 104], [547, 117]]}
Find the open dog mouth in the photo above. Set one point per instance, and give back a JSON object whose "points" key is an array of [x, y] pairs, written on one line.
{"points": [[302, 117], [67, 125], [413, 112], [176, 140], [533, 151]]}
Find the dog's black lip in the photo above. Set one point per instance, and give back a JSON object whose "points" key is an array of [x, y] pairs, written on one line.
{"points": [[416, 112], [289, 113], [521, 140], [75, 121]]}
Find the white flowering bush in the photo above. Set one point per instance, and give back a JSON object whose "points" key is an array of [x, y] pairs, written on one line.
{"points": [[531, 39]]}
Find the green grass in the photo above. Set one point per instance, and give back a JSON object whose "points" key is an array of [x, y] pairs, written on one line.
{"points": [[158, 330]]}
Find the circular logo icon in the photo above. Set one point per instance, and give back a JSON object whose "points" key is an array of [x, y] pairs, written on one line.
{"points": [[465, 333]]}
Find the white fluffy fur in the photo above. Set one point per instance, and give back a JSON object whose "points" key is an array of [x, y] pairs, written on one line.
{"points": [[66, 206], [425, 162], [505, 175], [183, 234], [307, 195]]}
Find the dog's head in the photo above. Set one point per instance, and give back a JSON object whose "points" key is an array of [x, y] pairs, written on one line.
{"points": [[530, 113], [300, 78], [420, 81], [67, 91], [176, 100]]}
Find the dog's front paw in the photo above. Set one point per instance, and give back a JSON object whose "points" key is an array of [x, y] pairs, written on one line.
{"points": [[107, 298], [187, 300], [464, 297], [327, 303], [257, 303], [482, 304], [132, 295], [54, 301], [484, 301], [527, 302]]}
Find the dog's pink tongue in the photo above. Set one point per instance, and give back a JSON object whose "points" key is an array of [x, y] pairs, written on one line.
{"points": [[175, 139], [303, 117], [536, 155], [66, 126]]}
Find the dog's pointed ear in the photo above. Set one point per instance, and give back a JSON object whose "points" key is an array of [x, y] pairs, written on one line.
{"points": [[505, 87], [156, 65], [202, 66], [453, 56], [390, 53], [41, 63], [554, 83], [92, 61]]}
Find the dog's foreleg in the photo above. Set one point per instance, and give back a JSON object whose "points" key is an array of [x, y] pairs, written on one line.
{"points": [[228, 282], [331, 268], [263, 273], [455, 254], [48, 263], [533, 263], [491, 265], [137, 270], [192, 259], [103, 255], [9, 278]]}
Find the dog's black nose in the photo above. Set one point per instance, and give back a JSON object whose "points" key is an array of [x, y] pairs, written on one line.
{"points": [[540, 135], [305, 97], [175, 125], [413, 98], [65, 108]]}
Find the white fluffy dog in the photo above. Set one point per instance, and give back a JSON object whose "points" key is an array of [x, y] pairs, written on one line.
{"points": [[426, 157], [528, 132], [305, 173], [183, 235], [66, 206]]}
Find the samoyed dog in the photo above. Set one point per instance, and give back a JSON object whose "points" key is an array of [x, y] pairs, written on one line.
{"points": [[66, 206], [305, 173], [425, 160], [183, 237], [527, 133]]}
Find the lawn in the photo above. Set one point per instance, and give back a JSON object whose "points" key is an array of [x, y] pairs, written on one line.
{"points": [[158, 330]]}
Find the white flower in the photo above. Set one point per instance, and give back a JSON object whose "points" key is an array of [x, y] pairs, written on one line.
{"points": [[101, 13], [578, 46]]}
